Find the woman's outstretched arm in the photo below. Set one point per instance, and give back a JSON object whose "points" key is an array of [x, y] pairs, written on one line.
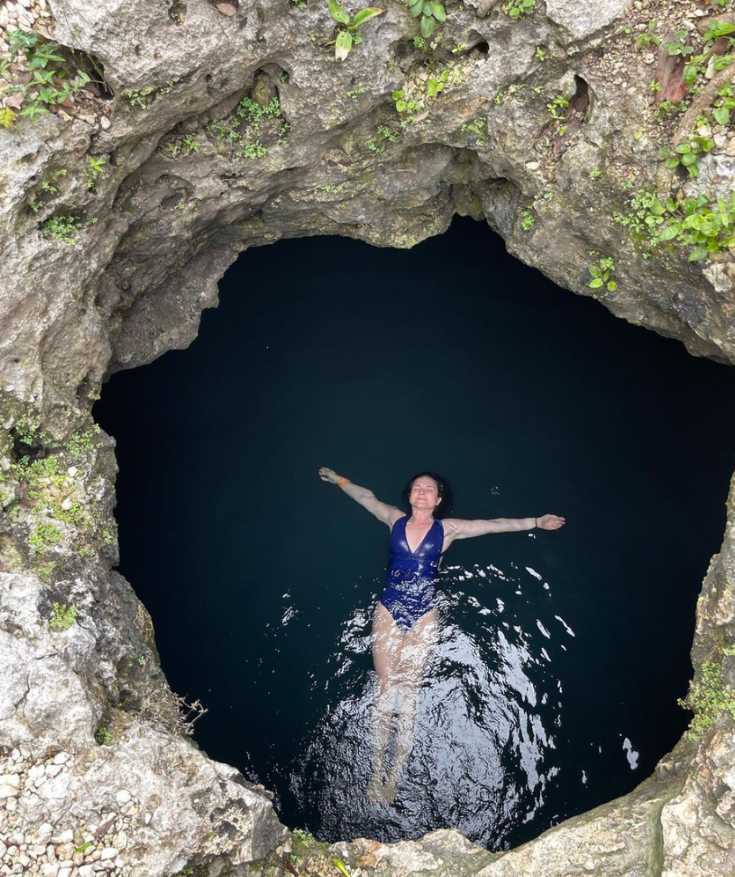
{"points": [[457, 528], [388, 514]]}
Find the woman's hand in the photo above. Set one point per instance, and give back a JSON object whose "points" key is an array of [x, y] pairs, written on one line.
{"points": [[550, 522], [328, 475]]}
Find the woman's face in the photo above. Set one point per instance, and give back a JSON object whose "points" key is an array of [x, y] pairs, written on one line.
{"points": [[424, 494]]}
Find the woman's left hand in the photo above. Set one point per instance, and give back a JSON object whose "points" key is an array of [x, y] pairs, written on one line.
{"points": [[551, 522]]}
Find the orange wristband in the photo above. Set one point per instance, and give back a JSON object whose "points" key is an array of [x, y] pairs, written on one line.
{"points": [[341, 481]]}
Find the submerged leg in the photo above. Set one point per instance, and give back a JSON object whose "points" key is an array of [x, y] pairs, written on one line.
{"points": [[416, 647], [387, 640]]}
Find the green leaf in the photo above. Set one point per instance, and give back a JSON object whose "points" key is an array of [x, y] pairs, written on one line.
{"points": [[669, 232], [697, 254], [337, 12], [365, 15], [417, 8], [612, 285], [722, 115], [683, 148], [427, 26], [688, 159], [596, 283], [342, 45], [438, 10]]}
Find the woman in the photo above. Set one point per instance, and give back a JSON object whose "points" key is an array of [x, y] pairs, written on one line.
{"points": [[405, 622]]}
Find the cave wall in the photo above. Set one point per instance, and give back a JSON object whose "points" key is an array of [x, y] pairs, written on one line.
{"points": [[210, 127]]}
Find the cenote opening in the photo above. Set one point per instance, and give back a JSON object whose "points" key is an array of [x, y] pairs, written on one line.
{"points": [[553, 685]]}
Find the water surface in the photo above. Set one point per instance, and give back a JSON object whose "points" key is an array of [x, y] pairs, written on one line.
{"points": [[553, 687]]}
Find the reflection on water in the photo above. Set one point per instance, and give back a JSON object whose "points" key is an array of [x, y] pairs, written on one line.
{"points": [[488, 709]]}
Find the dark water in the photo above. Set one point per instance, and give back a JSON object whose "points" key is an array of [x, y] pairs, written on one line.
{"points": [[553, 687]]}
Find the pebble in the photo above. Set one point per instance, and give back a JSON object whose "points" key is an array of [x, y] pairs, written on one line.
{"points": [[104, 123], [226, 8], [7, 791], [122, 797]]}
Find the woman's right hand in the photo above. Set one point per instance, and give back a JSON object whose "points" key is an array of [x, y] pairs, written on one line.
{"points": [[328, 475]]}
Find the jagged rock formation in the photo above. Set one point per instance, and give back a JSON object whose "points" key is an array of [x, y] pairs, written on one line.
{"points": [[208, 128]]}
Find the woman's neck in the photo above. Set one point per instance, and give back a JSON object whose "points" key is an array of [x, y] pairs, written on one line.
{"points": [[420, 517]]}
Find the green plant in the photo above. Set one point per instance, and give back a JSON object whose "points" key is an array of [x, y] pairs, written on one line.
{"points": [[709, 696], [602, 271], [355, 92], [347, 35], [404, 104], [250, 116], [558, 107], [140, 98], [53, 78], [718, 29], [679, 45], [648, 37], [667, 108], [253, 150], [596, 173], [528, 220], [64, 227], [185, 145], [687, 153], [430, 13], [95, 170], [724, 104], [341, 867], [84, 847], [476, 129], [654, 86], [458, 48], [103, 736], [540, 54], [45, 570], [420, 43], [63, 617], [43, 537], [383, 135], [700, 225], [518, 8]]}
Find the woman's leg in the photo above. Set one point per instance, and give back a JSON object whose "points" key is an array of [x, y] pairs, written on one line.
{"points": [[387, 641], [415, 649]]}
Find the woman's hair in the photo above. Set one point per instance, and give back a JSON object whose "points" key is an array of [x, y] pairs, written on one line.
{"points": [[443, 489]]}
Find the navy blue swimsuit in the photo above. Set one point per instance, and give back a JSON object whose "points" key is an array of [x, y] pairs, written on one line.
{"points": [[410, 591]]}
